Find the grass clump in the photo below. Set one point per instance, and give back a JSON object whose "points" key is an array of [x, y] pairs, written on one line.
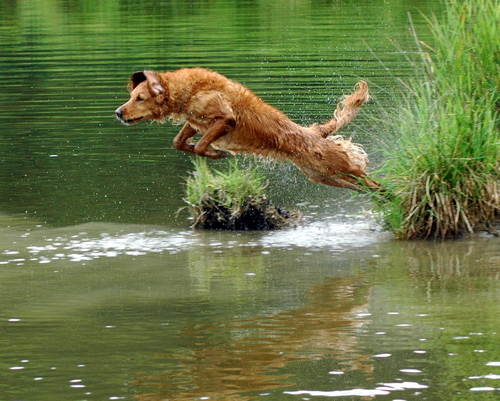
{"points": [[234, 200], [442, 177]]}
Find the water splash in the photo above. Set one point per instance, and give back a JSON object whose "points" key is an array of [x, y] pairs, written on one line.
{"points": [[333, 233]]}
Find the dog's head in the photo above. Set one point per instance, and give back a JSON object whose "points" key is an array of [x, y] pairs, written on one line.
{"points": [[147, 94]]}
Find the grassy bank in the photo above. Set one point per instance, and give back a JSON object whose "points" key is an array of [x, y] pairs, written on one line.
{"points": [[443, 174], [232, 200]]}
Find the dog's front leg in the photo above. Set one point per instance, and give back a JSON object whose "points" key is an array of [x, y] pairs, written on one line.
{"points": [[180, 140], [217, 129]]}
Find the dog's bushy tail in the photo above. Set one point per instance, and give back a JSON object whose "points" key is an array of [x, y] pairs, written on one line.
{"points": [[354, 175], [346, 111]]}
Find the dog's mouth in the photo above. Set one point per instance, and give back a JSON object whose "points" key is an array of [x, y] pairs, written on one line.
{"points": [[132, 121]]}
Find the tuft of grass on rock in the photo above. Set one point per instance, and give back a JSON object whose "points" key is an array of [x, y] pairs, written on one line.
{"points": [[442, 176], [232, 200]]}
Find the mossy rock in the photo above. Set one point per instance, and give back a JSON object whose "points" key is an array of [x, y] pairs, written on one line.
{"points": [[254, 215], [233, 200]]}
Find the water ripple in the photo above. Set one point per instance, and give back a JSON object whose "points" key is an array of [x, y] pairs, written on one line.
{"points": [[131, 244], [91, 241], [385, 389]]}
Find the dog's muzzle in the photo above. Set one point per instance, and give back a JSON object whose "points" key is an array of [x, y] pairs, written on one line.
{"points": [[119, 115]]}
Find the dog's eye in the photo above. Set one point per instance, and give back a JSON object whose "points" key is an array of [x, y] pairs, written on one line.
{"points": [[139, 98]]}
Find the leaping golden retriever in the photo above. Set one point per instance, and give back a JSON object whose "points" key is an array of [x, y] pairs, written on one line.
{"points": [[231, 118]]}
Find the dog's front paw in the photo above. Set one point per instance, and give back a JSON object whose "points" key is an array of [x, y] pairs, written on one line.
{"points": [[216, 154]]}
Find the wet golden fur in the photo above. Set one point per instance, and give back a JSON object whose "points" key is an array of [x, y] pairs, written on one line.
{"points": [[231, 118]]}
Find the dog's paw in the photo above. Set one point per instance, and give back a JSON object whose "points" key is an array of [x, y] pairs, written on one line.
{"points": [[216, 154]]}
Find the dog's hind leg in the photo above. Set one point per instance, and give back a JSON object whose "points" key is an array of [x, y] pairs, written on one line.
{"points": [[336, 180], [349, 181]]}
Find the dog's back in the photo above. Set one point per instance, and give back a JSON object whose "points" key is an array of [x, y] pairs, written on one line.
{"points": [[259, 128]]}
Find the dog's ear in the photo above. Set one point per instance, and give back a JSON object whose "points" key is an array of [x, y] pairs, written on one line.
{"points": [[154, 84], [136, 79]]}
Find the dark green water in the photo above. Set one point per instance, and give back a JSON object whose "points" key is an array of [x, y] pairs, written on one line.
{"points": [[105, 292]]}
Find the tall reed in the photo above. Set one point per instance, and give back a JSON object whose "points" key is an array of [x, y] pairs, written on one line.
{"points": [[442, 176]]}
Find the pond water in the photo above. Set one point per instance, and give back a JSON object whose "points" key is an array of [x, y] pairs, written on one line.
{"points": [[107, 294]]}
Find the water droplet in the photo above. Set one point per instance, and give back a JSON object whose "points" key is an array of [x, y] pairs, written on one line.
{"points": [[410, 371], [482, 389]]}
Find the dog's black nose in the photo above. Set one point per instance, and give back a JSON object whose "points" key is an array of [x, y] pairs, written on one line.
{"points": [[119, 113]]}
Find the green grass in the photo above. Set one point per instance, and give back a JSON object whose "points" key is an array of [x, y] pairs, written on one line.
{"points": [[231, 190], [443, 174]]}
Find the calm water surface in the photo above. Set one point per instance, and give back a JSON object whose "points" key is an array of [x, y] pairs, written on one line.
{"points": [[107, 294]]}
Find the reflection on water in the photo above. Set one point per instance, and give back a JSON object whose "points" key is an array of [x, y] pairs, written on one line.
{"points": [[442, 270], [228, 358], [105, 292]]}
